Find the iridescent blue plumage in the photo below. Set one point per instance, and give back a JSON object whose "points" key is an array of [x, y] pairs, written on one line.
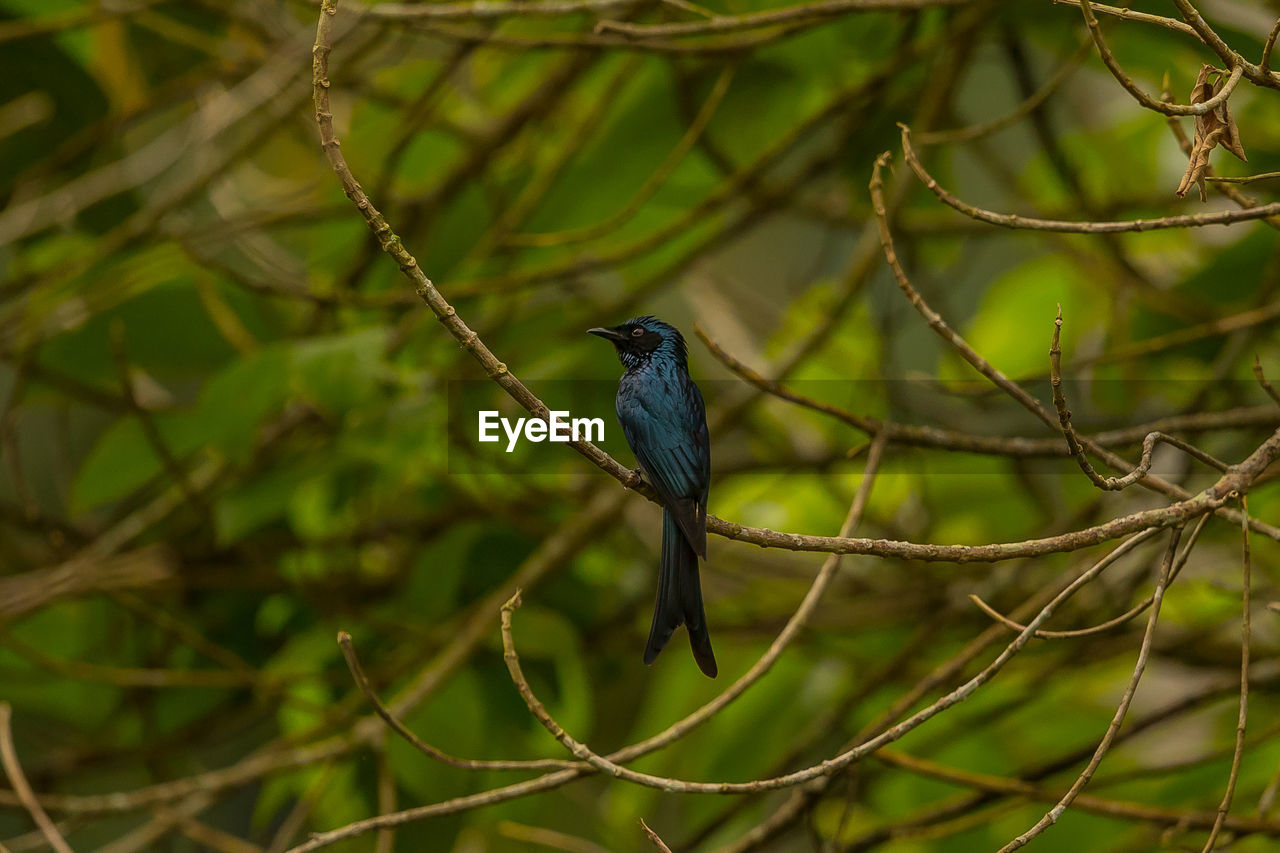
{"points": [[664, 421]]}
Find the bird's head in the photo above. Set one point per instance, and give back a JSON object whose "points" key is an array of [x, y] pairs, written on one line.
{"points": [[641, 339]]}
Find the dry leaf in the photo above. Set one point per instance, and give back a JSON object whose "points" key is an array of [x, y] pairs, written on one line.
{"points": [[1231, 139], [1216, 127]]}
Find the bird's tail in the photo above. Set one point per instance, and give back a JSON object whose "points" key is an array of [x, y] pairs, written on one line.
{"points": [[679, 599]]}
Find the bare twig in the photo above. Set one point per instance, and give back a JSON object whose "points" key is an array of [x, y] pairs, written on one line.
{"points": [[208, 836], [9, 757], [1262, 380], [651, 185], [1134, 15], [654, 838], [1242, 720], [1086, 803], [150, 429], [1247, 179], [1028, 105], [1109, 60], [1051, 817], [362, 681], [385, 841], [965, 351], [827, 768], [485, 9], [1011, 220], [814, 11], [1143, 468], [1110, 623], [1255, 74], [1265, 64], [547, 838], [914, 435]]}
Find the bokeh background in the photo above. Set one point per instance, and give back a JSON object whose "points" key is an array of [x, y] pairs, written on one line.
{"points": [[227, 431]]}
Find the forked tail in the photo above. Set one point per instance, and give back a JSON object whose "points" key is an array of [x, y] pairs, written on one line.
{"points": [[679, 599]]}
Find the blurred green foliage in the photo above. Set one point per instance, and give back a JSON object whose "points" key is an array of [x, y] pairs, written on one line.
{"points": [[227, 432]]}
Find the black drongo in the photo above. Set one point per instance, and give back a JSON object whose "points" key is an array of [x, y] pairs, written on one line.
{"points": [[665, 423]]}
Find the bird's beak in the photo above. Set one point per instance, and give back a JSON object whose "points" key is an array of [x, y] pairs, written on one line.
{"points": [[608, 334]]}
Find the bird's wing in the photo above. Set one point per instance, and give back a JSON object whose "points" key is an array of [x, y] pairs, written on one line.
{"points": [[666, 428]]}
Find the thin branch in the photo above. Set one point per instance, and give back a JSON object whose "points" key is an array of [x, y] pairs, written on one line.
{"points": [[390, 243], [1010, 220], [252, 768], [1143, 468], [144, 677], [933, 318], [826, 768], [150, 429], [547, 838], [1085, 802], [385, 842], [1262, 380], [72, 18], [165, 821], [818, 10], [651, 185], [362, 681], [208, 836], [500, 39], [1051, 817], [1113, 65], [752, 176], [1110, 623], [967, 352], [654, 838], [1028, 105], [1265, 64], [934, 812], [1263, 315], [796, 804], [489, 9], [1229, 56], [1210, 500], [1133, 15], [913, 435], [296, 818], [1247, 179], [9, 757], [1242, 720]]}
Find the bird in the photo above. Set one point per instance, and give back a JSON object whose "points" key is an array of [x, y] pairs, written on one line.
{"points": [[664, 421]]}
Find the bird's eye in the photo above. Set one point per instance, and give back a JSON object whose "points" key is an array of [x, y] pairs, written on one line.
{"points": [[637, 332]]}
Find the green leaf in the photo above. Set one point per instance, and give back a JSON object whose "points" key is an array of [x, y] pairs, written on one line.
{"points": [[256, 504], [124, 459], [236, 401], [339, 372]]}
